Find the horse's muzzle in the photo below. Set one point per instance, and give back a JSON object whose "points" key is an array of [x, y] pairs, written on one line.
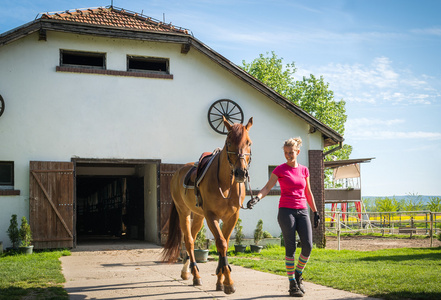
{"points": [[240, 175]]}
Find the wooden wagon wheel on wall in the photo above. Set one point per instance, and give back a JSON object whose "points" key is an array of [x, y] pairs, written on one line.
{"points": [[2, 105], [227, 108]]}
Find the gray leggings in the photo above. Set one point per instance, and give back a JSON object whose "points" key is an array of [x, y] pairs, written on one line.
{"points": [[290, 221]]}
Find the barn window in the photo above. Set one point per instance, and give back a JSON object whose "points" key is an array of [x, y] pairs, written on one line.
{"points": [[147, 64], [6, 174], [270, 171], [83, 59]]}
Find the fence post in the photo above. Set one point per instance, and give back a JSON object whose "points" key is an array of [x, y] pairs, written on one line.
{"points": [[338, 230], [431, 229]]}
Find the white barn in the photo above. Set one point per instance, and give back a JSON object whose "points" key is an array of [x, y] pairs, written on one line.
{"points": [[98, 108]]}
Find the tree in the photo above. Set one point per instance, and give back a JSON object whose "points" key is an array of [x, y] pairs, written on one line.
{"points": [[434, 204], [386, 204], [311, 94]]}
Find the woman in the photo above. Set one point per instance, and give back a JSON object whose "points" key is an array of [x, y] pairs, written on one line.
{"points": [[293, 213]]}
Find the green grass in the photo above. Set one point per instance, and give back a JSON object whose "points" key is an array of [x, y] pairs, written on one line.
{"points": [[36, 276], [406, 273]]}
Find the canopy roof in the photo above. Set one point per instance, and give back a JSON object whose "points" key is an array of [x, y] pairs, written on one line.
{"points": [[342, 163]]}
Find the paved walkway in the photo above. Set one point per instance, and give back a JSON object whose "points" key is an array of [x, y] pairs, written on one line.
{"points": [[133, 271]]}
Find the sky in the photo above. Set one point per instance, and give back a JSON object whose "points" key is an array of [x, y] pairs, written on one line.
{"points": [[381, 57]]}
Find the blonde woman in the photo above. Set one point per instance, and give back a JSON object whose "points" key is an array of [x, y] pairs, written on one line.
{"points": [[293, 212]]}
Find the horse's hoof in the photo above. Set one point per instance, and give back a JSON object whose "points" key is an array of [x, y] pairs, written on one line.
{"points": [[219, 287], [185, 275], [229, 289], [197, 281]]}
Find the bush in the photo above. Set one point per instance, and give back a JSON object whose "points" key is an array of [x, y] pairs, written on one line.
{"points": [[25, 233], [238, 231], [258, 232], [13, 233], [201, 239], [267, 235]]}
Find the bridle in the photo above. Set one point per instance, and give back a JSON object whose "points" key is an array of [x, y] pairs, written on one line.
{"points": [[240, 157]]}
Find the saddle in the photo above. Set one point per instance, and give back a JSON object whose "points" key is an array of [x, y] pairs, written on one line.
{"points": [[197, 172]]}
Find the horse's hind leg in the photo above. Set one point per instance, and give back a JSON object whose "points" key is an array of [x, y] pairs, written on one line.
{"points": [[185, 272], [189, 235], [196, 226]]}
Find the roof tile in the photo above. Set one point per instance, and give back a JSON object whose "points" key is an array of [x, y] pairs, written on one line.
{"points": [[114, 17]]}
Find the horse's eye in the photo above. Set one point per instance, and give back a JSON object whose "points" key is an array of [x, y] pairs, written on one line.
{"points": [[249, 144]]}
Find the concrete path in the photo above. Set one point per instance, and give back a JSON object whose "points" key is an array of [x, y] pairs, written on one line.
{"points": [[133, 271]]}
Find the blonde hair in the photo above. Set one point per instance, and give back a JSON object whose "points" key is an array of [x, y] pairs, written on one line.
{"points": [[293, 142]]}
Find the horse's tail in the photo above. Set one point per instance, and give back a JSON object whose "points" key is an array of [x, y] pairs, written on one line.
{"points": [[172, 247]]}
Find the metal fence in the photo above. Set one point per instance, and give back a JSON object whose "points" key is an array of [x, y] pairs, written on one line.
{"points": [[406, 222]]}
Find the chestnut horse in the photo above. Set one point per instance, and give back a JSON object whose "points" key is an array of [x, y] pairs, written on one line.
{"points": [[223, 191]]}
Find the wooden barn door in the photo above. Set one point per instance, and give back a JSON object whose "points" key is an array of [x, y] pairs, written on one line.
{"points": [[165, 203], [51, 204]]}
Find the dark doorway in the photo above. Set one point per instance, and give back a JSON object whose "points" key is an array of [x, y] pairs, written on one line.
{"points": [[110, 207]]}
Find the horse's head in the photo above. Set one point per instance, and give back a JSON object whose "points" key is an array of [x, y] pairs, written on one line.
{"points": [[238, 146]]}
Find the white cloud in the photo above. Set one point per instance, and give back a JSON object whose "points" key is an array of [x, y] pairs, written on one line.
{"points": [[392, 135], [372, 122], [378, 82], [428, 31], [379, 129]]}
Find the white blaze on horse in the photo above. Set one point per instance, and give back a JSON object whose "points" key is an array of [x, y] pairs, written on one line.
{"points": [[222, 191]]}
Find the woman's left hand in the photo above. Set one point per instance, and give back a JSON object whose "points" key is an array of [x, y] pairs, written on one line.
{"points": [[316, 219]]}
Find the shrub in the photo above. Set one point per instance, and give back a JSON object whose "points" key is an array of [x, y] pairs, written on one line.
{"points": [[258, 232], [238, 231], [266, 235], [25, 233], [201, 239], [13, 233]]}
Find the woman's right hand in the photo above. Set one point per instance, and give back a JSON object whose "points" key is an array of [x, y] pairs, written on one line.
{"points": [[252, 202]]}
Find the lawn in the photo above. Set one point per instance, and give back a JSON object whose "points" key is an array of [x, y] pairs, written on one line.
{"points": [[36, 276], [406, 273]]}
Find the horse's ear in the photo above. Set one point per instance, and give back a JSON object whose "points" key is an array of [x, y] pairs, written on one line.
{"points": [[249, 124], [226, 123]]}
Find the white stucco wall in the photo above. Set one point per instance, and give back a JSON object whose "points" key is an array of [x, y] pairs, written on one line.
{"points": [[57, 115]]}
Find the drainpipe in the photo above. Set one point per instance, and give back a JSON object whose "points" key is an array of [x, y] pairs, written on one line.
{"points": [[340, 145]]}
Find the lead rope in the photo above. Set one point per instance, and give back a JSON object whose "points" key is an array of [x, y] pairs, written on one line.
{"points": [[251, 192]]}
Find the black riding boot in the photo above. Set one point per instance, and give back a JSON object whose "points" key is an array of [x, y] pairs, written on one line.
{"points": [[294, 290], [299, 280]]}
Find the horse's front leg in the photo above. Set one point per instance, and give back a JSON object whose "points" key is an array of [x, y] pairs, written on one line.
{"points": [[224, 270], [224, 281]]}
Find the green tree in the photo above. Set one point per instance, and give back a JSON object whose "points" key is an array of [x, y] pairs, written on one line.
{"points": [[413, 202], [386, 204], [311, 94], [434, 204]]}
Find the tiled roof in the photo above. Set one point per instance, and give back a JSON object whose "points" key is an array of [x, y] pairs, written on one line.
{"points": [[114, 17]]}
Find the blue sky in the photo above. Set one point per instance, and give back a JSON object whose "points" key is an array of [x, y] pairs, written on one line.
{"points": [[382, 57]]}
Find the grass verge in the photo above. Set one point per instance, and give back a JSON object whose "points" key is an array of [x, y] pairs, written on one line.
{"points": [[36, 276], [406, 273]]}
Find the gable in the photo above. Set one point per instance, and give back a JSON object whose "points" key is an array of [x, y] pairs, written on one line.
{"points": [[118, 23]]}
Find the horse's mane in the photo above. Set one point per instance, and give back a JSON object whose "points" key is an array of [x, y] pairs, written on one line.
{"points": [[236, 134]]}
